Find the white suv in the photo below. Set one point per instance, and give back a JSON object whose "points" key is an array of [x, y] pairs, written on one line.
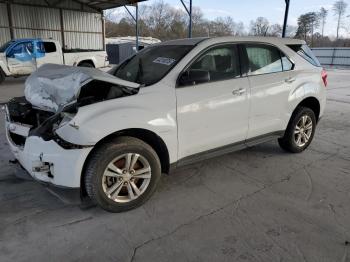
{"points": [[113, 134]]}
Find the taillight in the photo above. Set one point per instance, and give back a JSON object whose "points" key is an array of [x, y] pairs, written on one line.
{"points": [[324, 77]]}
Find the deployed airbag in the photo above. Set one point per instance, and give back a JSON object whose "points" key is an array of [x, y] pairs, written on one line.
{"points": [[53, 86]]}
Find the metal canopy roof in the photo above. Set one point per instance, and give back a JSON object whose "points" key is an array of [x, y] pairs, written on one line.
{"points": [[107, 4]]}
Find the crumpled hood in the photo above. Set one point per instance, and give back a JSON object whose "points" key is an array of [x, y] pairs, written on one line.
{"points": [[53, 86]]}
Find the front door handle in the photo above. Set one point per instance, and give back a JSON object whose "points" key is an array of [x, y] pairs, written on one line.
{"points": [[238, 92], [290, 80]]}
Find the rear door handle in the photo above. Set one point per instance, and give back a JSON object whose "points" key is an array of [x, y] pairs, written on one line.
{"points": [[290, 80], [238, 92]]}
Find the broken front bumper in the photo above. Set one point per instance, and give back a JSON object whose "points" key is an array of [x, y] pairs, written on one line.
{"points": [[46, 161]]}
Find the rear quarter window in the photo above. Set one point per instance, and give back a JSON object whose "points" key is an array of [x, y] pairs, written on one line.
{"points": [[305, 52]]}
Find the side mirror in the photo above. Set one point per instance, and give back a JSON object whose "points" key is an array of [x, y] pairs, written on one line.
{"points": [[194, 77]]}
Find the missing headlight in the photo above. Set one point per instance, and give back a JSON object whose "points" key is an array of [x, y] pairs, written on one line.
{"points": [[67, 145]]}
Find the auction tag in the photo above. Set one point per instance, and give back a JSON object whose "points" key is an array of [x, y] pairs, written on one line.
{"points": [[164, 61]]}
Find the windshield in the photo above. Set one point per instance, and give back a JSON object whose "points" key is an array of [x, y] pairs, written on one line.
{"points": [[152, 63], [5, 46]]}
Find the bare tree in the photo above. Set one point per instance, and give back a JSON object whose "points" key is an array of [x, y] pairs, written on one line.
{"points": [[240, 29], [200, 26], [275, 30], [291, 31], [160, 20], [259, 27], [323, 17], [339, 9]]}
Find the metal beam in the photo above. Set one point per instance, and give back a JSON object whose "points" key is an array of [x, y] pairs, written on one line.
{"points": [[103, 30], [62, 29], [136, 20], [54, 4], [285, 18], [132, 16], [9, 16], [189, 12], [137, 27], [85, 4]]}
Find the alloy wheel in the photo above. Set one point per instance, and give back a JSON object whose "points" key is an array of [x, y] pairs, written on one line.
{"points": [[126, 177], [303, 131]]}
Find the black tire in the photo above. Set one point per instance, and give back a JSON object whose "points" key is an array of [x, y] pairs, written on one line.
{"points": [[86, 64], [2, 76], [103, 156], [287, 142]]}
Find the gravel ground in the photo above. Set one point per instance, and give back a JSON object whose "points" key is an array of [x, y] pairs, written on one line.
{"points": [[259, 204]]}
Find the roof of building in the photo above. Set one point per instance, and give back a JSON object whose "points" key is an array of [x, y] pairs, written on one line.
{"points": [[107, 4], [83, 5]]}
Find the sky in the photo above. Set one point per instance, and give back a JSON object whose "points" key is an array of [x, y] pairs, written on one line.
{"points": [[273, 10]]}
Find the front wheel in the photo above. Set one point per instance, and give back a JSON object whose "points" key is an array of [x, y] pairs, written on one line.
{"points": [[122, 174], [300, 131]]}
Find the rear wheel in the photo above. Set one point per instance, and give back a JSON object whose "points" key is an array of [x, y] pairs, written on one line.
{"points": [[86, 64], [2, 76], [300, 131], [122, 174]]}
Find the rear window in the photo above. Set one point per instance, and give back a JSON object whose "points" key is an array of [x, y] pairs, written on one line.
{"points": [[47, 47], [50, 47], [305, 52]]}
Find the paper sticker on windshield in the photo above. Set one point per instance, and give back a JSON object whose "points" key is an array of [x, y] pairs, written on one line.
{"points": [[164, 61]]}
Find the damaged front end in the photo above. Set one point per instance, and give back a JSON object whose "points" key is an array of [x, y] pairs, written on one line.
{"points": [[24, 121], [53, 96]]}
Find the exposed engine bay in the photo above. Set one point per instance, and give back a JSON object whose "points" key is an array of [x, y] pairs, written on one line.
{"points": [[53, 102]]}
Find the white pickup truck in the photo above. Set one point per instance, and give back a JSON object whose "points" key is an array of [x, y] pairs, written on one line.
{"points": [[23, 56]]}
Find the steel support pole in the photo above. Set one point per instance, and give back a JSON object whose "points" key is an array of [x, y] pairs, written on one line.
{"points": [[137, 27], [9, 15], [190, 22], [189, 12], [136, 19], [285, 18], [62, 29]]}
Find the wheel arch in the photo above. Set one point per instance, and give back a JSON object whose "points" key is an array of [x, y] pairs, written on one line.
{"points": [[90, 61], [313, 103], [147, 136]]}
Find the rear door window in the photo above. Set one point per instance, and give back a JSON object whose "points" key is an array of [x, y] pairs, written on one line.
{"points": [[263, 59], [305, 52]]}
